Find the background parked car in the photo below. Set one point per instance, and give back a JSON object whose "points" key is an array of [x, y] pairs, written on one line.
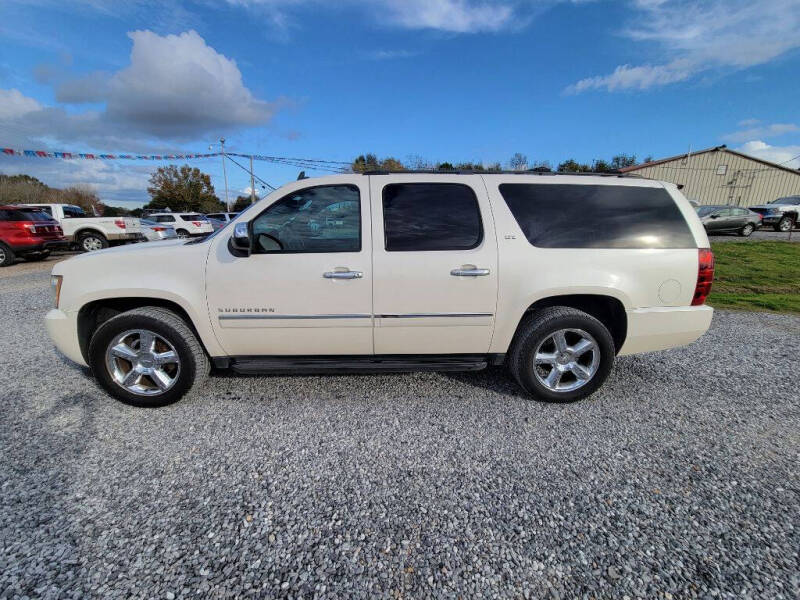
{"points": [[216, 223], [781, 213], [729, 219], [28, 234], [155, 232], [185, 224], [225, 217], [91, 233]]}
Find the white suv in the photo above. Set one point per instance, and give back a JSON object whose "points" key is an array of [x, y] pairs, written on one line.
{"points": [[185, 224], [551, 275]]}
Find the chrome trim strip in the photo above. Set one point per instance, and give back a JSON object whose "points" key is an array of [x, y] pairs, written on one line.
{"points": [[424, 315], [227, 317]]}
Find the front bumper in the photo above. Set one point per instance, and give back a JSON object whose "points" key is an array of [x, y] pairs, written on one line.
{"points": [[62, 327], [660, 328]]}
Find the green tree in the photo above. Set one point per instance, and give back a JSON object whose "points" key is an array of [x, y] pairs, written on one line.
{"points": [[541, 166], [241, 203], [601, 166], [572, 166], [445, 166], [184, 188], [370, 162], [620, 161]]}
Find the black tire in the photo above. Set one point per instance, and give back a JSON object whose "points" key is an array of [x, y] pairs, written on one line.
{"points": [[194, 364], [538, 327], [7, 256], [90, 241], [785, 224], [34, 256], [747, 230], [182, 233]]}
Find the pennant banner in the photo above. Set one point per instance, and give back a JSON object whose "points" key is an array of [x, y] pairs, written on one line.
{"points": [[81, 155]]}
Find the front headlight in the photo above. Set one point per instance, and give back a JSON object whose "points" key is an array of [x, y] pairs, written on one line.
{"points": [[55, 288]]}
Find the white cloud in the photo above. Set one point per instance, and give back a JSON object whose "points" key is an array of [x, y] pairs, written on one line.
{"points": [[760, 132], [640, 78], [176, 88], [700, 36], [788, 156], [456, 16], [13, 104]]}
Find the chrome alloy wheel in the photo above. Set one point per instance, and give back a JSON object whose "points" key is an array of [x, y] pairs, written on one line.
{"points": [[566, 360], [142, 362], [91, 243]]}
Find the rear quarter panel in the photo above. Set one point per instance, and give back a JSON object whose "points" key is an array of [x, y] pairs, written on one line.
{"points": [[637, 278]]}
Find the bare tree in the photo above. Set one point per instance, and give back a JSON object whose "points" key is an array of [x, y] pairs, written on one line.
{"points": [[518, 162]]}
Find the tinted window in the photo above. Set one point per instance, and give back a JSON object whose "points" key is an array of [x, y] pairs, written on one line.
{"points": [[704, 211], [193, 217], [320, 219], [23, 215], [73, 212], [219, 216], [164, 218], [597, 216], [430, 216]]}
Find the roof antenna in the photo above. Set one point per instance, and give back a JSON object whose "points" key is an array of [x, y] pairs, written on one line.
{"points": [[301, 175]]}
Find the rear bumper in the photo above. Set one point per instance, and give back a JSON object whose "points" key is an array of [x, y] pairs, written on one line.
{"points": [[41, 246], [660, 328], [62, 327]]}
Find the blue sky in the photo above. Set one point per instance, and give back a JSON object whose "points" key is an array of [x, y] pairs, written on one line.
{"points": [[452, 80]]}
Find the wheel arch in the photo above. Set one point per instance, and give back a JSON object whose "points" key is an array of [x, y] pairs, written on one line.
{"points": [[93, 314], [607, 309], [88, 229]]}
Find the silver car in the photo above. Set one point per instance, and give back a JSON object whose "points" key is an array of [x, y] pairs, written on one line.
{"points": [[155, 232]]}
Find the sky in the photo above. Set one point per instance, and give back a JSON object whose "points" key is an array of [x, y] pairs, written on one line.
{"points": [[443, 80]]}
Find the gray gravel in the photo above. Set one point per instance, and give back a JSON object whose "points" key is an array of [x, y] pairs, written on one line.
{"points": [[678, 480]]}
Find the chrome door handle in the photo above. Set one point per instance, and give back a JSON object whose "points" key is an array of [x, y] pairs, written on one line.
{"points": [[343, 275], [469, 272]]}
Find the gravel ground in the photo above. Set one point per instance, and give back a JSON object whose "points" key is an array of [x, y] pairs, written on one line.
{"points": [[678, 480]]}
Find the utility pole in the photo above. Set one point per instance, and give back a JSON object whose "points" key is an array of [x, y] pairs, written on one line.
{"points": [[225, 174], [252, 183]]}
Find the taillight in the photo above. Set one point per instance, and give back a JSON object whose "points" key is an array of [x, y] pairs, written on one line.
{"points": [[705, 275], [197, 223], [120, 223], [158, 228], [30, 227]]}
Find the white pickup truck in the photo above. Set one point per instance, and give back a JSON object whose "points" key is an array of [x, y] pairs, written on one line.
{"points": [[93, 233]]}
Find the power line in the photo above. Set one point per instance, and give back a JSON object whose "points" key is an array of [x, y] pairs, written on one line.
{"points": [[269, 185]]}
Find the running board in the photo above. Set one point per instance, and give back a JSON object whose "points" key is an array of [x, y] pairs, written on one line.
{"points": [[326, 365]]}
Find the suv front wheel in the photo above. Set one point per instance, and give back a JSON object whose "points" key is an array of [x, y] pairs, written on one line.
{"points": [[785, 224], [147, 357], [561, 354]]}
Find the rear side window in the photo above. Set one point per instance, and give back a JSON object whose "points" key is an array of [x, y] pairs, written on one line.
{"points": [[597, 216], [23, 215], [73, 212], [430, 216], [194, 217]]}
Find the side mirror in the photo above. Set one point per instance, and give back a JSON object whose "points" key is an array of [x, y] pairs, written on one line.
{"points": [[714, 216], [240, 240]]}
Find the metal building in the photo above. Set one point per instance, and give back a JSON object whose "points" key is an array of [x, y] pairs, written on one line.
{"points": [[722, 176]]}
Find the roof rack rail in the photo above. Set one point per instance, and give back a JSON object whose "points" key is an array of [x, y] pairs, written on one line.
{"points": [[494, 172]]}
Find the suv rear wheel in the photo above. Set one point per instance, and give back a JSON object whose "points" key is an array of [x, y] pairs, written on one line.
{"points": [[182, 233], [747, 230], [561, 354], [147, 357], [90, 241]]}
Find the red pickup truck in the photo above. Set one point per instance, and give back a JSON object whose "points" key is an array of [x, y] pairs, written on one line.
{"points": [[27, 234]]}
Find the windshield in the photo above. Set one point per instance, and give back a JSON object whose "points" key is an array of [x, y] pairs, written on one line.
{"points": [[704, 211]]}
